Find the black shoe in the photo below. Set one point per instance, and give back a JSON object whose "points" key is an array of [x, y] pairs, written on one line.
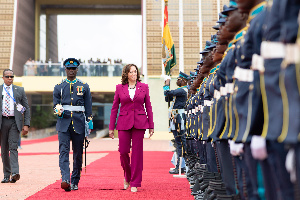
{"points": [[14, 178], [74, 187], [65, 185], [174, 171], [5, 180]]}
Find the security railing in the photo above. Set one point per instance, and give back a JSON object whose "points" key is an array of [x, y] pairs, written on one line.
{"points": [[57, 69]]}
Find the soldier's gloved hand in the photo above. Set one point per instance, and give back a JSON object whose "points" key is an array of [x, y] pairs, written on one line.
{"points": [[166, 77], [236, 149], [58, 110], [167, 80], [290, 164], [258, 147]]}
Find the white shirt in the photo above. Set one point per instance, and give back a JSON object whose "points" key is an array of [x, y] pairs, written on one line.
{"points": [[11, 101], [132, 93]]}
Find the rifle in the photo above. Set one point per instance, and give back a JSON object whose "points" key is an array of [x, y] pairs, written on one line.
{"points": [[86, 144]]}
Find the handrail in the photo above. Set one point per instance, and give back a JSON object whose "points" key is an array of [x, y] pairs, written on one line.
{"points": [[85, 69]]}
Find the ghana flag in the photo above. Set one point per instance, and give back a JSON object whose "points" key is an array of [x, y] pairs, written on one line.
{"points": [[168, 48]]}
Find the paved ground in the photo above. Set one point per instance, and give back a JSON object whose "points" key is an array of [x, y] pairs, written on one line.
{"points": [[39, 164]]}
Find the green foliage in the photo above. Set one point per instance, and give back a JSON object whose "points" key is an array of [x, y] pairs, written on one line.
{"points": [[42, 117]]}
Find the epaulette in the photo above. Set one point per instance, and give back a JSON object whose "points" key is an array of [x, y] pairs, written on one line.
{"points": [[61, 82], [81, 81]]}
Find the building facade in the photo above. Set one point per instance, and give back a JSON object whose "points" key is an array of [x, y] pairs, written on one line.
{"points": [[198, 18]]}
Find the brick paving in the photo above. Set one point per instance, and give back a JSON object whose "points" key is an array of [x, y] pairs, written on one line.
{"points": [[39, 164]]}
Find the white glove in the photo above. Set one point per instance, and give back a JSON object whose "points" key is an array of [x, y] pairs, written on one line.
{"points": [[258, 147], [58, 109], [236, 149], [167, 77], [290, 164]]}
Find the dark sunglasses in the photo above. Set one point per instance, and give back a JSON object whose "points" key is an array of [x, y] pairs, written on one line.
{"points": [[9, 76], [71, 68]]}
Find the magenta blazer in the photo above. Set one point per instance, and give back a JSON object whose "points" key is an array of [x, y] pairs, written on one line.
{"points": [[132, 112]]}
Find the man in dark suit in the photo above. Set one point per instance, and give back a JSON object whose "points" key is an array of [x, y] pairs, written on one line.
{"points": [[14, 106], [72, 102]]}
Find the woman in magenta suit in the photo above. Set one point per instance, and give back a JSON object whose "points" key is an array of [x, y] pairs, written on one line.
{"points": [[132, 123]]}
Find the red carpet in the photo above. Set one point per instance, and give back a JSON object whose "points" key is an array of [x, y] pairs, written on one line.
{"points": [[104, 180], [47, 139]]}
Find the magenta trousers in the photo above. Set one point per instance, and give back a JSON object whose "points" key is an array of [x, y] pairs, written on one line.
{"points": [[132, 170]]}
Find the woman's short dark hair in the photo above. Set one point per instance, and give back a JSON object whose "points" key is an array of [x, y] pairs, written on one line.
{"points": [[126, 70]]}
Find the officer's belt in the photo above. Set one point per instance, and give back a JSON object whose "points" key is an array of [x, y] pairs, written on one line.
{"points": [[257, 63], [229, 88], [217, 94], [272, 50], [292, 54], [223, 91], [74, 108], [244, 75], [180, 111], [207, 103], [201, 108]]}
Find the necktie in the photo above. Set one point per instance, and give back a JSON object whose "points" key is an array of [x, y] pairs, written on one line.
{"points": [[6, 103]]}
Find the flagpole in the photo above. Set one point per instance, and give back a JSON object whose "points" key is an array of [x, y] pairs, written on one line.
{"points": [[163, 3], [181, 53]]}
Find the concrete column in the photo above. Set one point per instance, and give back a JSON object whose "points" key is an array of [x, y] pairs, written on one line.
{"points": [[51, 38], [24, 41], [37, 30]]}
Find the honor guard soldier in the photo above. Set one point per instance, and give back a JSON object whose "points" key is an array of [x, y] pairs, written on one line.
{"points": [[280, 90], [178, 116], [236, 23], [290, 87], [244, 90], [72, 102], [189, 108], [250, 109], [191, 143]]}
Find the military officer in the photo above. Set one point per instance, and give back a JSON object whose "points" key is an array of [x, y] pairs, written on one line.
{"points": [[72, 102], [236, 23], [190, 132], [290, 84], [178, 115], [249, 102]]}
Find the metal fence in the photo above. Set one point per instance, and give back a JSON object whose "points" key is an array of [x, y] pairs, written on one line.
{"points": [[57, 69]]}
